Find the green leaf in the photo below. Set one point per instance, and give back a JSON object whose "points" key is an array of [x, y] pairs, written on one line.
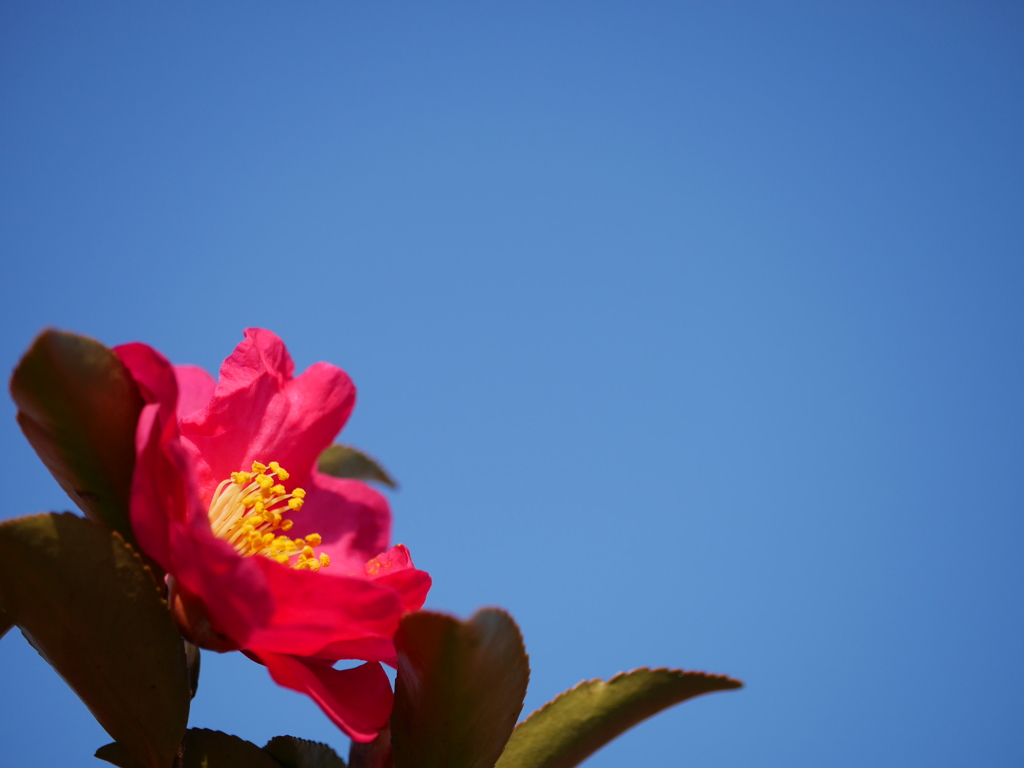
{"points": [[291, 752], [348, 462], [213, 749], [90, 607], [78, 407], [459, 690], [574, 725], [375, 754]]}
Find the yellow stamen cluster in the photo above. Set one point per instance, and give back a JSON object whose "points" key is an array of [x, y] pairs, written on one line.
{"points": [[248, 509]]}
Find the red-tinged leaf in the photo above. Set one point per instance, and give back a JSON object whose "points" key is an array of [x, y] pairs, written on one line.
{"points": [[78, 407], [90, 607], [347, 462], [291, 752], [570, 728], [459, 690]]}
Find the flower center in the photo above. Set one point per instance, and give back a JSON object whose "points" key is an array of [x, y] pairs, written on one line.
{"points": [[248, 508]]}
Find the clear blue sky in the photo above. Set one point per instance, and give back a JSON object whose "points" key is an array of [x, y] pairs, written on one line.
{"points": [[692, 332]]}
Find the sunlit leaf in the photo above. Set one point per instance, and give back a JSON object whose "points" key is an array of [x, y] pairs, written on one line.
{"points": [[78, 407], [347, 462], [459, 690], [570, 728], [291, 752], [90, 607]]}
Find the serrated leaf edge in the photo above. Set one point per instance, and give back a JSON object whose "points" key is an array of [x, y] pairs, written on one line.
{"points": [[620, 675]]}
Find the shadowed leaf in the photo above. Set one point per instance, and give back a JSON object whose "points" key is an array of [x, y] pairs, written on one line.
{"points": [[574, 725], [193, 659], [115, 754], [213, 749], [459, 690], [78, 407], [85, 601], [291, 752], [375, 754], [347, 462]]}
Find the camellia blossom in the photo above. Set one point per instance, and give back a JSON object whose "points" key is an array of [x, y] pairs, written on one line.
{"points": [[263, 553]]}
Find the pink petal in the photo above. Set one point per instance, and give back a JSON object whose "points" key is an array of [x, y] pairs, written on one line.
{"points": [[314, 610], [353, 520], [260, 413], [399, 574], [195, 388], [158, 486], [356, 700]]}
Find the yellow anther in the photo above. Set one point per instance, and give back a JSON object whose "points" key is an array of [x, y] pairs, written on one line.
{"points": [[300, 543], [278, 470], [267, 538], [295, 504], [241, 478], [286, 525], [298, 493], [265, 482], [283, 559], [258, 507], [313, 539], [278, 490], [250, 500], [314, 565], [258, 468], [307, 551], [325, 560]]}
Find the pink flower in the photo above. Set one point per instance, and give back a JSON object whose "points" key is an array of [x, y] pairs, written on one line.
{"points": [[264, 553]]}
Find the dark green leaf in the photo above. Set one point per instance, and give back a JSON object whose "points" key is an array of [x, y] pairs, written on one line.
{"points": [[573, 726], [6, 622], [459, 690], [291, 752], [78, 407], [375, 754], [213, 749], [86, 602], [345, 461]]}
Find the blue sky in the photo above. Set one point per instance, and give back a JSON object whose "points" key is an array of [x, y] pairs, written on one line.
{"points": [[693, 333]]}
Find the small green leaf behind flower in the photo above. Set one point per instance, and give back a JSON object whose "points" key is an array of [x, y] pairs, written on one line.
{"points": [[86, 602], [347, 462], [574, 725], [459, 690]]}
